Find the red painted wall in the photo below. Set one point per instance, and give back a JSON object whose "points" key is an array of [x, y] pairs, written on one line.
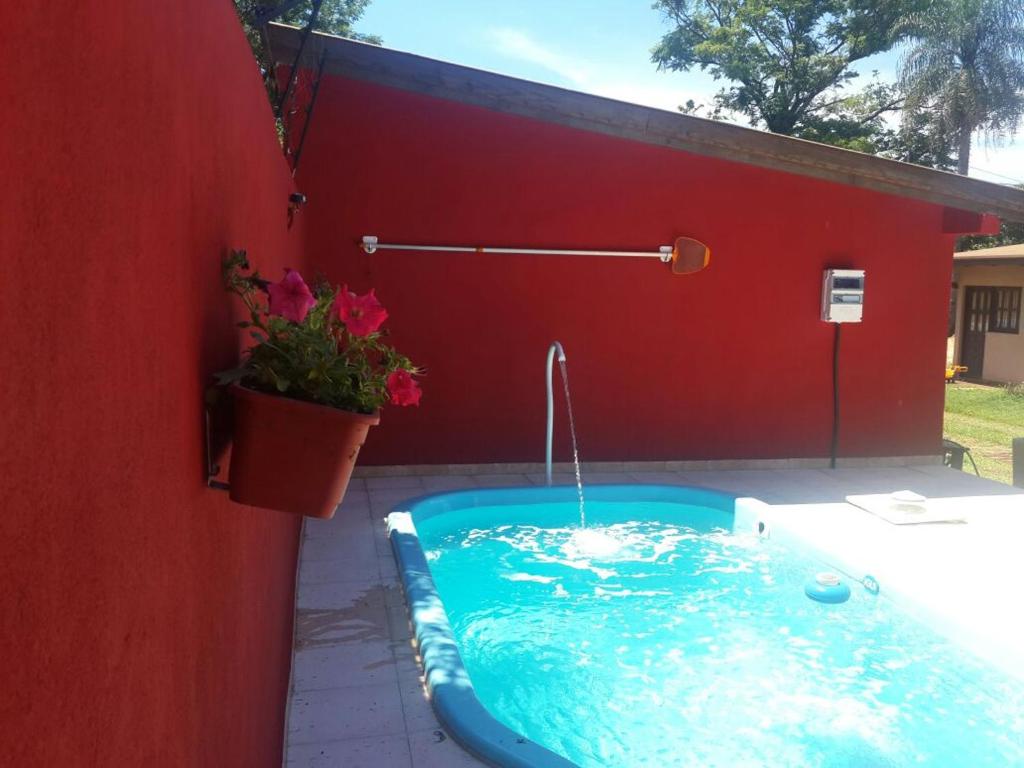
{"points": [[729, 363], [144, 620]]}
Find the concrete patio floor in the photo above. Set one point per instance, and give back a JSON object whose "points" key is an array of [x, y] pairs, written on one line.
{"points": [[357, 698]]}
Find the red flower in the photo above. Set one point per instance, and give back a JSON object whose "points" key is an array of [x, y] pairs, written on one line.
{"points": [[291, 298], [362, 315], [403, 389]]}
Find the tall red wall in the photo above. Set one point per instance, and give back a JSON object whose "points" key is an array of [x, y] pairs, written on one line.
{"points": [[144, 619], [729, 363]]}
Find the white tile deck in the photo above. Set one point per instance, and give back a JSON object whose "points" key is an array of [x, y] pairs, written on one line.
{"points": [[357, 697]]}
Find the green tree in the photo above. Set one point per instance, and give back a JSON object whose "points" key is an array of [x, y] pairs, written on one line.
{"points": [[336, 17], [787, 60], [966, 66], [855, 121], [920, 139]]}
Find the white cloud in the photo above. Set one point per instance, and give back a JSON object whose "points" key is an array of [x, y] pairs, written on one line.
{"points": [[594, 76], [518, 45]]}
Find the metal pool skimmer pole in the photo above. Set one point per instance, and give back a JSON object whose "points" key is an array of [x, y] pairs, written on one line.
{"points": [[555, 347]]}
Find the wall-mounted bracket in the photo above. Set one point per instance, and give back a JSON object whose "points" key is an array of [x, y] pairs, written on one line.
{"points": [[213, 403]]}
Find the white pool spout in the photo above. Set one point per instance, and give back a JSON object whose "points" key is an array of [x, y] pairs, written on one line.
{"points": [[555, 347]]}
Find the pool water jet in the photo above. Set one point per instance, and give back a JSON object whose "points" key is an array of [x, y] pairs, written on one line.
{"points": [[556, 348]]}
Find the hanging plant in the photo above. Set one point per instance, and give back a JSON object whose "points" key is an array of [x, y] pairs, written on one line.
{"points": [[308, 389]]}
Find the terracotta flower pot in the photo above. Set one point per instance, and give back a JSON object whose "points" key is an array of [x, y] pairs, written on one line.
{"points": [[293, 456]]}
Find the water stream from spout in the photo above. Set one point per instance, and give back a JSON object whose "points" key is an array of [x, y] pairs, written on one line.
{"points": [[575, 445]]}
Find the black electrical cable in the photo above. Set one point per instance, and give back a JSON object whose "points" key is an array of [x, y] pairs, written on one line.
{"points": [[835, 396], [967, 452]]}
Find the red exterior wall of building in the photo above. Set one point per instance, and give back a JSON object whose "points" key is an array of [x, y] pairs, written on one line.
{"points": [[144, 619], [732, 362]]}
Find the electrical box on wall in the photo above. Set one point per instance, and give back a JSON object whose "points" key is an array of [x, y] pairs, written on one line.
{"points": [[842, 296]]}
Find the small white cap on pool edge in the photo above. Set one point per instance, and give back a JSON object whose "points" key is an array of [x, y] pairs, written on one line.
{"points": [[827, 579]]}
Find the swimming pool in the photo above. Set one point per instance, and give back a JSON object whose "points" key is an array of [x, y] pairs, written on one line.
{"points": [[659, 636]]}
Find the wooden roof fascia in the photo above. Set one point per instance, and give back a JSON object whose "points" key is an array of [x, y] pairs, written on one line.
{"points": [[710, 138]]}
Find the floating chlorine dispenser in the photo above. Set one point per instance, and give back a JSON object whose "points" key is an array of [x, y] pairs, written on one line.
{"points": [[827, 588]]}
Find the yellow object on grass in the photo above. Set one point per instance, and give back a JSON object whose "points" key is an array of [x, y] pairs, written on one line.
{"points": [[954, 371]]}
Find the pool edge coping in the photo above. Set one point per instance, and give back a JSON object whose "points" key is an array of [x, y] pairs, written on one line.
{"points": [[450, 691]]}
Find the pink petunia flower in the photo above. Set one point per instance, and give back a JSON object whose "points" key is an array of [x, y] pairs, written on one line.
{"points": [[291, 298], [362, 315], [403, 388]]}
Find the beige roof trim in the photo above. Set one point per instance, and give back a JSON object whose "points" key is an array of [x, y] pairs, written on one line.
{"points": [[1006, 255], [406, 71], [999, 252]]}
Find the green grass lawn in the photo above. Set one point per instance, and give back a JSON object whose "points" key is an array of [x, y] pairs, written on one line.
{"points": [[985, 419]]}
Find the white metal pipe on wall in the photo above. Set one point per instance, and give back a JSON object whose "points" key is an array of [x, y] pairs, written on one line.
{"points": [[370, 244]]}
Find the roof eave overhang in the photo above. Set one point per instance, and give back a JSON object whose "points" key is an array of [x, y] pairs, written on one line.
{"points": [[1013, 261], [710, 138]]}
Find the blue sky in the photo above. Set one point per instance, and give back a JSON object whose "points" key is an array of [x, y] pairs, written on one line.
{"points": [[597, 46]]}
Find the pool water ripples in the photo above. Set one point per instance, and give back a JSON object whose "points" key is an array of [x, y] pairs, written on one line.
{"points": [[667, 640]]}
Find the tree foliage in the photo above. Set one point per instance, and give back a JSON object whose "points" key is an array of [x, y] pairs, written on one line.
{"points": [[336, 17], [855, 121], [966, 66], [787, 61], [920, 139], [317, 356]]}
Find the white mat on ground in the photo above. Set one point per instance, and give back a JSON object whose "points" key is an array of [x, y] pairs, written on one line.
{"points": [[905, 508]]}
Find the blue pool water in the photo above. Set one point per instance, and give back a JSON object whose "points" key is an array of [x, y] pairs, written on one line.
{"points": [[659, 638]]}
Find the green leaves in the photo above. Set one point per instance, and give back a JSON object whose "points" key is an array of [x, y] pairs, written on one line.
{"points": [[280, 382], [966, 66], [786, 60], [317, 360]]}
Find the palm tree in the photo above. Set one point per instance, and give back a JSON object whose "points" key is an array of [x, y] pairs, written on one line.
{"points": [[965, 64]]}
